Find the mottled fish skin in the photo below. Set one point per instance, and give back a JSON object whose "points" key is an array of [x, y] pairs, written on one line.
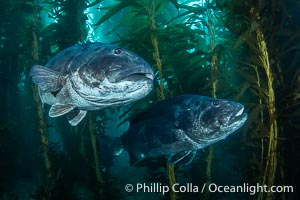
{"points": [[91, 76], [180, 126]]}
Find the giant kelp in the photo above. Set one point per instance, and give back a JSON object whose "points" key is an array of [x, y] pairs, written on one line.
{"points": [[42, 127], [266, 32], [184, 51], [184, 60], [148, 11], [242, 50]]}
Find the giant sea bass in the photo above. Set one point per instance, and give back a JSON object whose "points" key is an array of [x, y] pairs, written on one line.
{"points": [[176, 128], [91, 76]]}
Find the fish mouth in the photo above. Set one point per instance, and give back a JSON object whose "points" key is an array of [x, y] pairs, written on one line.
{"points": [[139, 76], [136, 74], [239, 117], [236, 121]]}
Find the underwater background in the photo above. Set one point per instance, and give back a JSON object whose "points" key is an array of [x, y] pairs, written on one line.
{"points": [[246, 51]]}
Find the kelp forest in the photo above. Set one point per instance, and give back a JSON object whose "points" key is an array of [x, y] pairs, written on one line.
{"points": [[245, 51]]}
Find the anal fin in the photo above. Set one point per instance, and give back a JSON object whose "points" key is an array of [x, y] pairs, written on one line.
{"points": [[60, 109], [75, 117]]}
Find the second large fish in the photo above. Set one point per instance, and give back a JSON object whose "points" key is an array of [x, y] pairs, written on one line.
{"points": [[91, 76], [176, 128]]}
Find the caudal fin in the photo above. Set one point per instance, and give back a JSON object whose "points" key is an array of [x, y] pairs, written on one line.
{"points": [[109, 148], [47, 79]]}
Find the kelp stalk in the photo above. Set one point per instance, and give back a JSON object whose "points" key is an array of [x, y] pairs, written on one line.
{"points": [[161, 95], [214, 68], [156, 56], [42, 123], [258, 82], [95, 152], [271, 160]]}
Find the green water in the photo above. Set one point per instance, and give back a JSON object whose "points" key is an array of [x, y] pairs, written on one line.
{"points": [[236, 50]]}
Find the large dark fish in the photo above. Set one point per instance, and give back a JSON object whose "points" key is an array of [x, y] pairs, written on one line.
{"points": [[91, 76], [180, 126]]}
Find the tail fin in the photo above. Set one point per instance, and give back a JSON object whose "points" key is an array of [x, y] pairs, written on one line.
{"points": [[47, 79], [109, 148]]}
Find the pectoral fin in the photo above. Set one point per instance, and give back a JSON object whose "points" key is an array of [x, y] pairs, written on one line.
{"points": [[187, 159], [47, 79], [60, 109], [184, 157]]}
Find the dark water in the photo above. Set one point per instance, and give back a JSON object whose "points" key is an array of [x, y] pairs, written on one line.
{"points": [[242, 51]]}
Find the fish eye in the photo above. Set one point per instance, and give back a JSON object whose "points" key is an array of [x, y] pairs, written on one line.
{"points": [[117, 50], [216, 103]]}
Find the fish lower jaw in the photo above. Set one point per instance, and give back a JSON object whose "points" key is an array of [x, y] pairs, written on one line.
{"points": [[137, 77], [150, 76], [239, 112]]}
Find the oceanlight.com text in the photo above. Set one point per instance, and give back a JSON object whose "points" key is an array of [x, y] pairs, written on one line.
{"points": [[251, 189], [211, 187]]}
